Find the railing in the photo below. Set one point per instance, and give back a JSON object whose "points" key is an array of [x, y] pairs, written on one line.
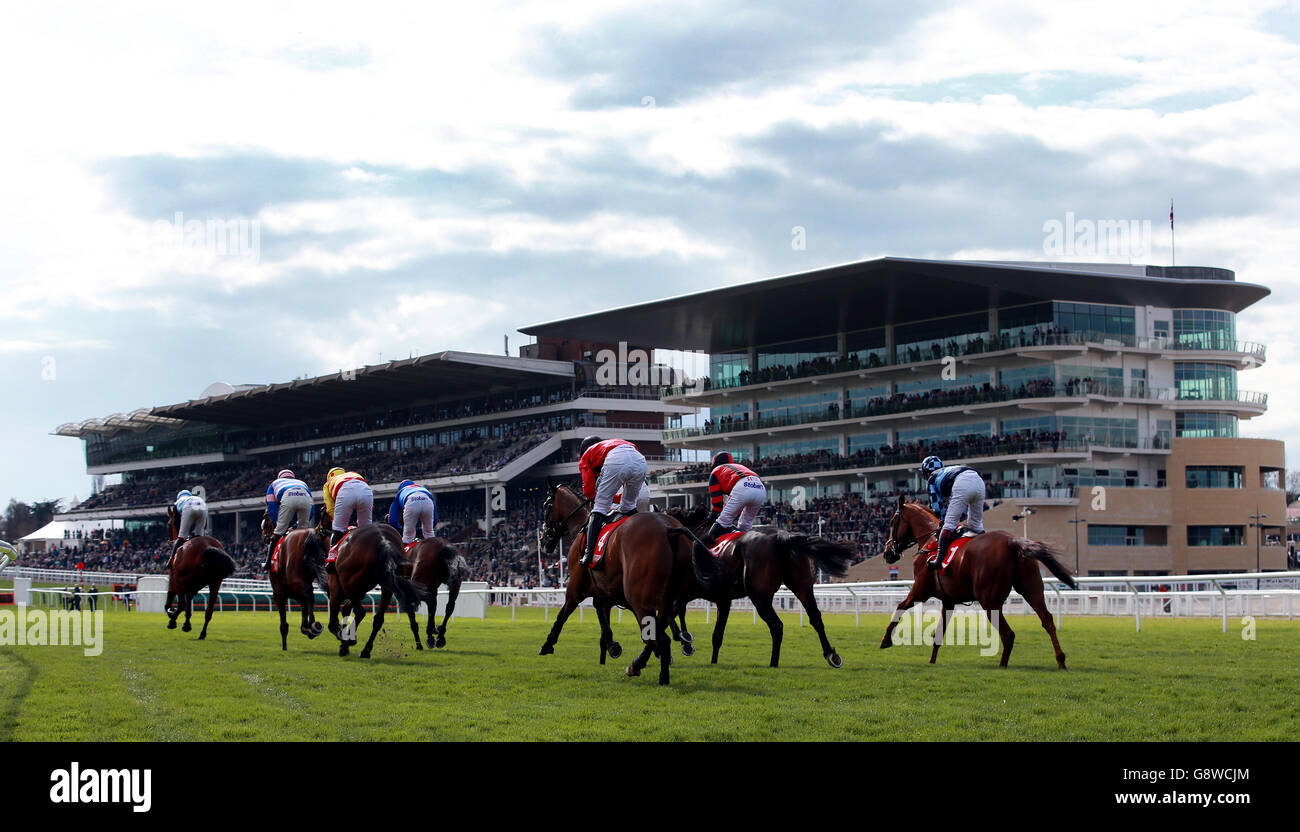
{"points": [[937, 350], [1223, 595]]}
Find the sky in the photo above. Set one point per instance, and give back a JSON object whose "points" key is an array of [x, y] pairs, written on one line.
{"points": [[398, 179]]}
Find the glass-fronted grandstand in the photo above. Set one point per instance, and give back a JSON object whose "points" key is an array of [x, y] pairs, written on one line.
{"points": [[1051, 379]]}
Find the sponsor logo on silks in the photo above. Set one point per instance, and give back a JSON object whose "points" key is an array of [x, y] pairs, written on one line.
{"points": [[724, 543], [131, 786], [752, 484]]}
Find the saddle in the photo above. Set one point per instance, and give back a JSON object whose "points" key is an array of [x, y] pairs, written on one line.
{"points": [[603, 536], [338, 547], [723, 543], [953, 548], [275, 555]]}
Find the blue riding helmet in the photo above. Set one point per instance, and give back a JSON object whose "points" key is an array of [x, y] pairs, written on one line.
{"points": [[185, 493], [930, 465], [404, 483]]}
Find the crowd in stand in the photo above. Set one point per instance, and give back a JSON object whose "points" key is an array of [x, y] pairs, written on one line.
{"points": [[227, 481]]}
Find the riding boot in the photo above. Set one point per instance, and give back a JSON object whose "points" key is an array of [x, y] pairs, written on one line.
{"points": [[270, 550], [945, 538], [594, 525], [715, 531], [176, 545]]}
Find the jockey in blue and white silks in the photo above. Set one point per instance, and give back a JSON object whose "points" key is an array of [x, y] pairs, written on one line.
{"points": [[413, 508], [288, 503], [955, 490]]}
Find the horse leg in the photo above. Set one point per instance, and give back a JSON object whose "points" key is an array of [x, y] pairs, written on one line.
{"points": [[282, 606], [802, 586], [385, 597], [415, 627], [452, 592], [213, 591], [606, 634], [665, 644], [173, 609], [570, 604], [764, 606], [720, 629], [431, 624], [943, 625], [683, 635], [913, 597], [1034, 595], [1005, 632], [189, 611]]}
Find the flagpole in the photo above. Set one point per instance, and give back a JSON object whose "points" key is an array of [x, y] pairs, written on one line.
{"points": [[1173, 260]]}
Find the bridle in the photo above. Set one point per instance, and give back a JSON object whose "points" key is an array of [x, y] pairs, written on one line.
{"points": [[891, 545], [554, 530]]}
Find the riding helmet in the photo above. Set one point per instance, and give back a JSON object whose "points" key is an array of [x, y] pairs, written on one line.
{"points": [[722, 458], [586, 444], [335, 472], [931, 464], [184, 493], [286, 474]]}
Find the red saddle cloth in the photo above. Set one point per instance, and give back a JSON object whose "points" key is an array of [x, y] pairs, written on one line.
{"points": [[334, 550], [603, 536], [412, 545], [275, 555], [724, 543], [953, 549]]}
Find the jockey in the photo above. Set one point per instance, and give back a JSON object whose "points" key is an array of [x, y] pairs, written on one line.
{"points": [[288, 504], [606, 466], [735, 496], [191, 517], [954, 490], [412, 508], [347, 492]]}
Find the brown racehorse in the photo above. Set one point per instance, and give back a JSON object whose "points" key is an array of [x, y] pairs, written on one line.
{"points": [[433, 562], [301, 567], [756, 564], [639, 570], [371, 555], [200, 562], [985, 570]]}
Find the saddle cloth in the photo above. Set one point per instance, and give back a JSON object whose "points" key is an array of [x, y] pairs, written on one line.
{"points": [[603, 536], [723, 543], [953, 548], [334, 550], [275, 555], [412, 545]]}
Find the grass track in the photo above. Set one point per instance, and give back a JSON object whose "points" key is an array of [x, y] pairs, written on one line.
{"points": [[1177, 680]]}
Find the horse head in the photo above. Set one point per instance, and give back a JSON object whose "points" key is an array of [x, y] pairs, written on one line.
{"points": [[911, 524], [268, 528], [173, 523], [562, 504]]}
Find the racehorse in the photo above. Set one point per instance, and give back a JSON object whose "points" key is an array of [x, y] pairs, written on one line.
{"points": [[756, 564], [199, 562], [370, 555], [433, 562], [984, 570], [640, 570], [300, 566]]}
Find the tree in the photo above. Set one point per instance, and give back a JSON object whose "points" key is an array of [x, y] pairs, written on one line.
{"points": [[18, 521], [1292, 486]]}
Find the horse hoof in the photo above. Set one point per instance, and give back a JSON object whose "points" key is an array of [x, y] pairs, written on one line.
{"points": [[343, 649], [171, 625], [633, 670], [546, 650], [442, 642], [365, 654], [202, 636], [886, 644], [688, 649], [185, 628], [615, 650], [431, 641], [834, 660], [687, 638]]}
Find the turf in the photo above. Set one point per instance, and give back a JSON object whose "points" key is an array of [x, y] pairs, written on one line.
{"points": [[1176, 680]]}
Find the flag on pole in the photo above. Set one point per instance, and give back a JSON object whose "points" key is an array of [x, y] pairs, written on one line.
{"points": [[1171, 213]]}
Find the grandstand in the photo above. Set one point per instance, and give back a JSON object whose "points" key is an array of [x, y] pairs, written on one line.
{"points": [[1051, 379], [476, 429]]}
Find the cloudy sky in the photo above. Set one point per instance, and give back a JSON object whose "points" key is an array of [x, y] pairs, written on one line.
{"points": [[433, 176]]}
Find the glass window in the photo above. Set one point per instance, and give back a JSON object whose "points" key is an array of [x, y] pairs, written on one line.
{"points": [[866, 347], [1201, 380], [1205, 329], [932, 340], [1197, 425], [1103, 535], [1216, 476], [1216, 535]]}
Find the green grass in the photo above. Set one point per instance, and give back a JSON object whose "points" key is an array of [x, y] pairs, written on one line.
{"points": [[1176, 680]]}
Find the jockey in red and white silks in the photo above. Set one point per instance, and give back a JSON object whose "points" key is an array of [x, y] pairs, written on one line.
{"points": [[606, 467], [735, 496]]}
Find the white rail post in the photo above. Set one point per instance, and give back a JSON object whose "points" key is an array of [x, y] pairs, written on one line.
{"points": [[857, 606], [1137, 605], [1060, 601], [1224, 596]]}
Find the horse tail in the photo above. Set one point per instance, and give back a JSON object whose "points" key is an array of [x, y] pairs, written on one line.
{"points": [[408, 592], [457, 566], [218, 563], [831, 557], [1047, 556], [314, 554], [711, 574]]}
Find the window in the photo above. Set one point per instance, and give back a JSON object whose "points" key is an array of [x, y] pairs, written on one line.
{"points": [[725, 368], [932, 340], [1216, 535], [1102, 535], [1216, 476], [1161, 329], [791, 355], [1204, 329], [1199, 425], [1199, 380], [1098, 322], [868, 346]]}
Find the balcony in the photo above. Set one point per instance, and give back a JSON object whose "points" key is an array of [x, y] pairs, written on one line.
{"points": [[1007, 351]]}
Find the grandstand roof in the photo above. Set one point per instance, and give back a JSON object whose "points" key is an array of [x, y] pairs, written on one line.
{"points": [[872, 293], [136, 420], [440, 375]]}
